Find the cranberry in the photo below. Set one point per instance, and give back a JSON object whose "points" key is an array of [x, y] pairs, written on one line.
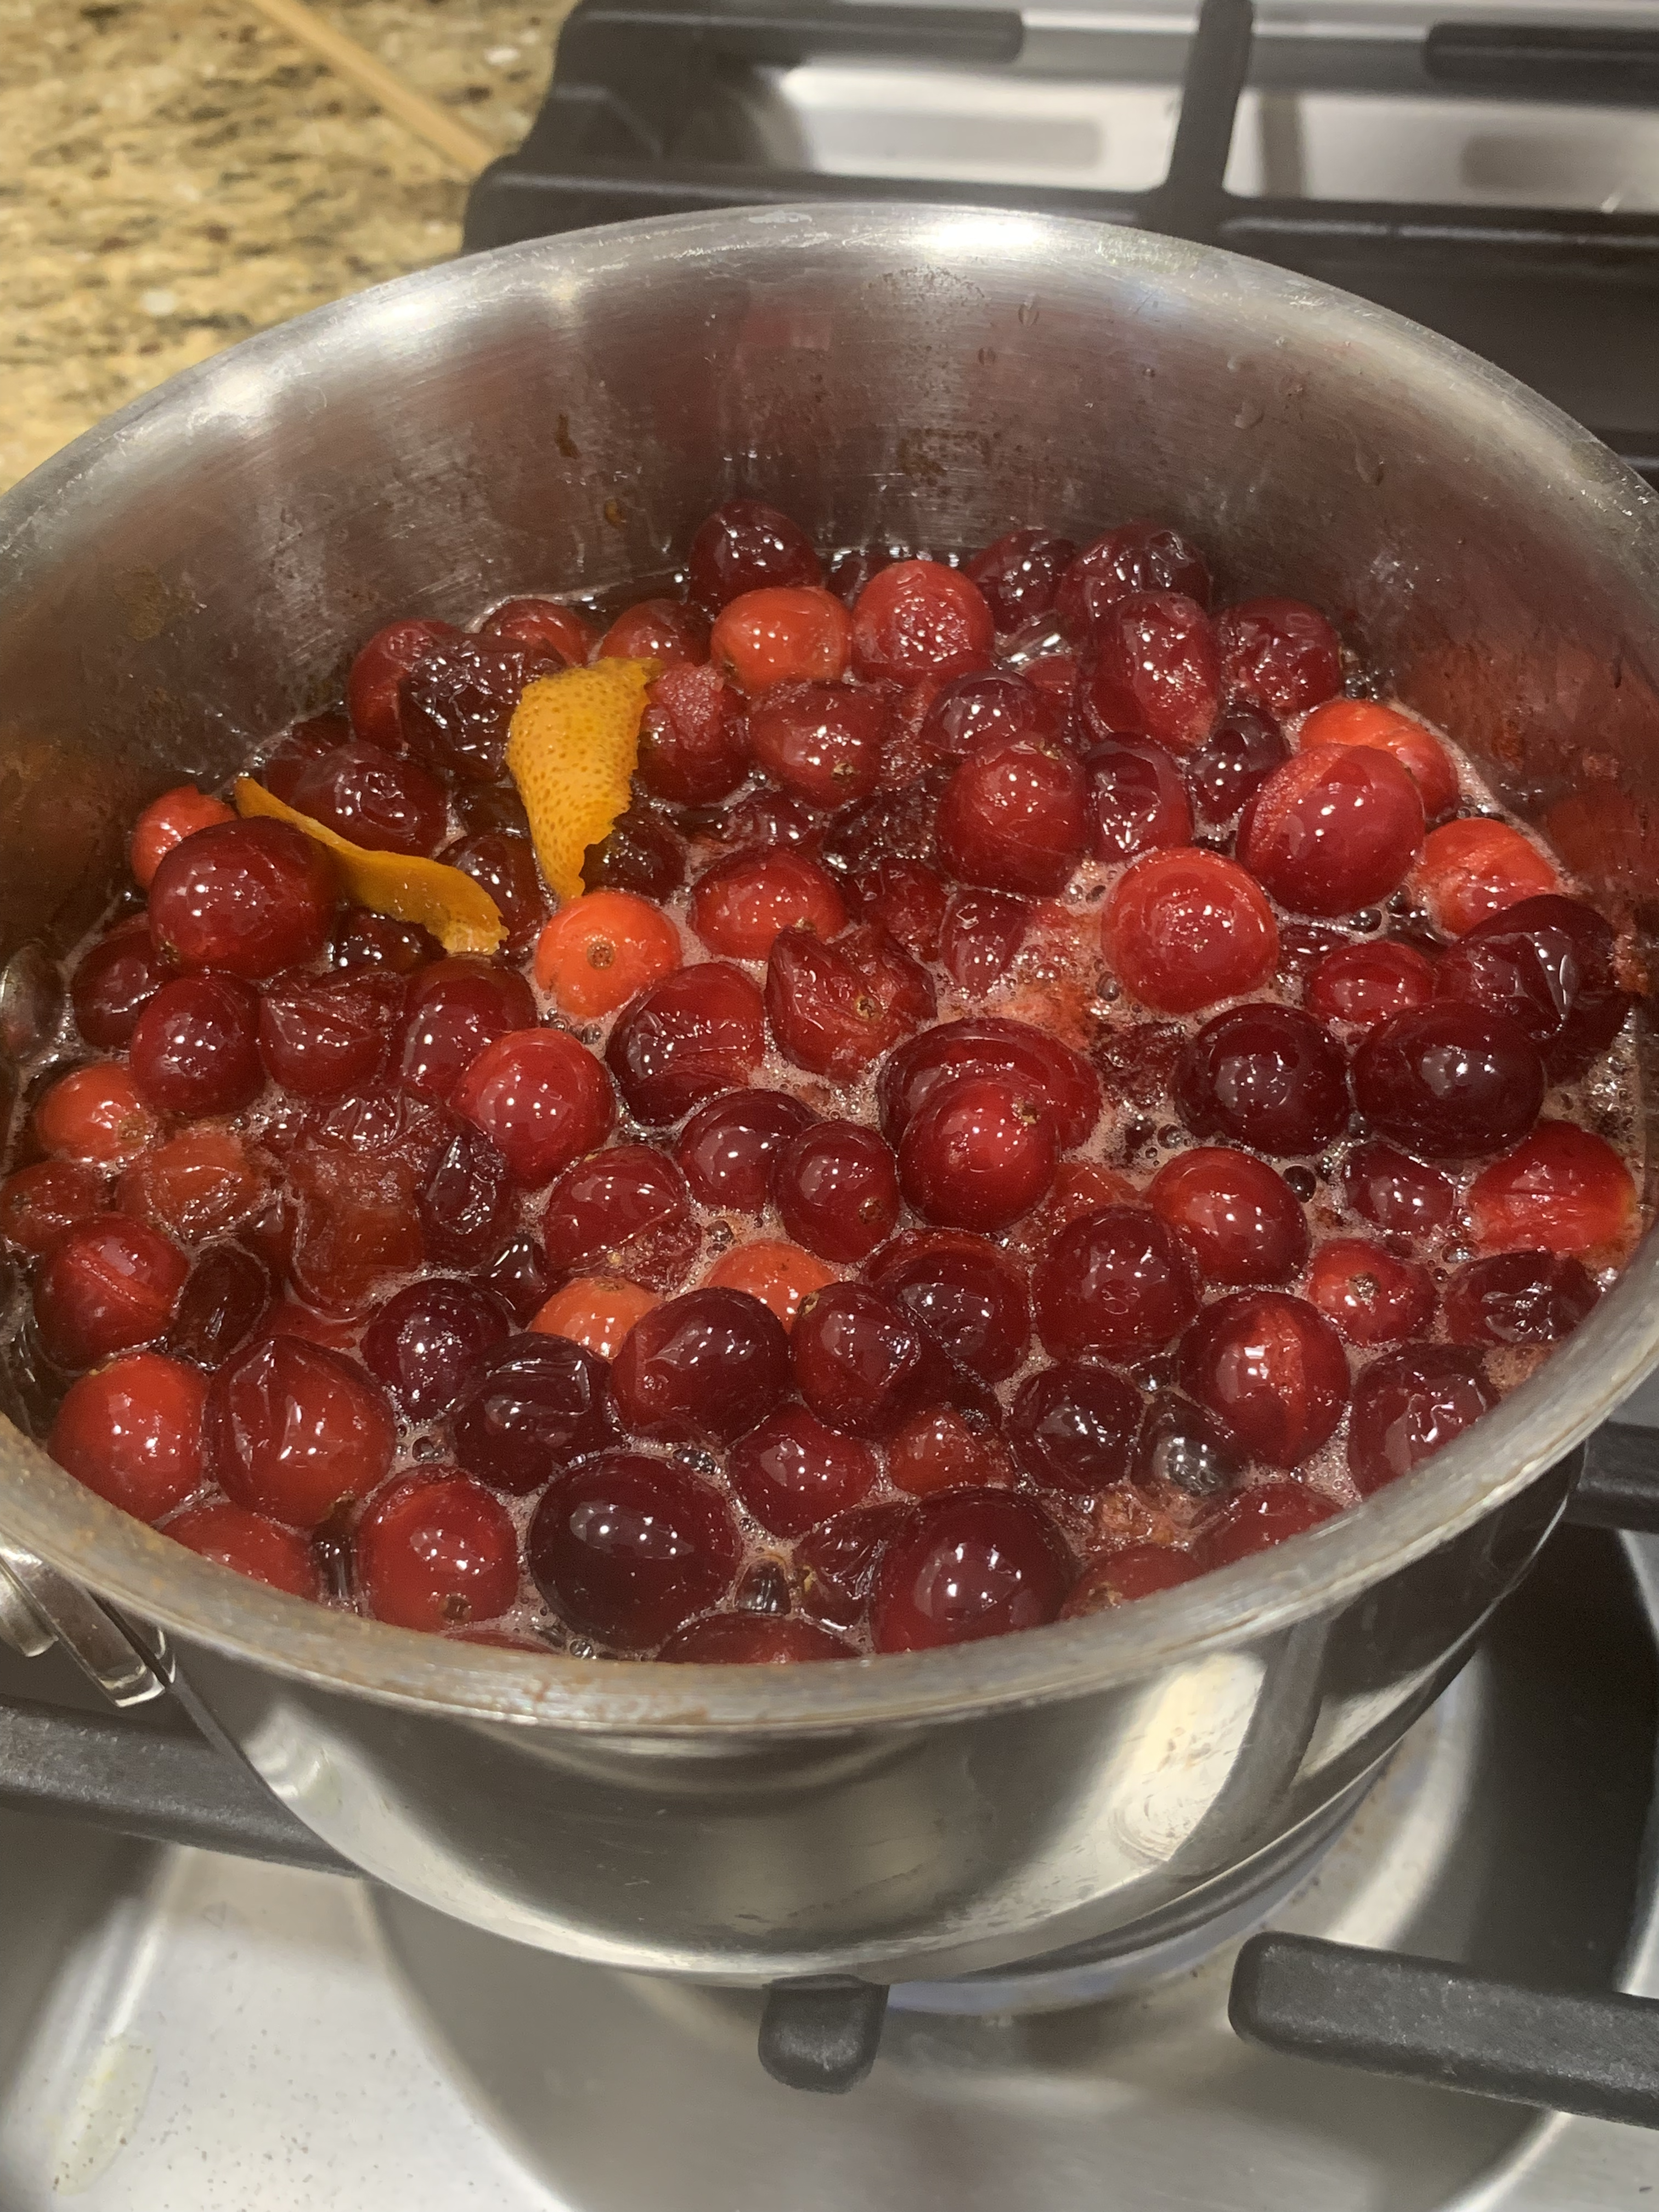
{"points": [[1279, 654], [729, 1148], [822, 742], [964, 1293], [534, 1405], [1227, 770], [781, 1276], [1137, 800], [694, 746], [862, 1363], [1395, 1193], [1265, 1076], [250, 1544], [294, 1428], [837, 1561], [1014, 816], [1270, 1367], [455, 707], [1518, 1297], [837, 1190], [455, 1008], [373, 800], [247, 898], [195, 1048], [104, 1287], [836, 1008], [627, 1548], [1563, 1189], [917, 618], [1154, 672], [1548, 963], [465, 1203], [1081, 1186], [1185, 927], [40, 1204], [228, 1295], [982, 938], [701, 1368], [321, 1035], [435, 1550], [503, 863], [200, 1183], [424, 1342], [299, 750], [1269, 1514], [973, 1563], [165, 822], [1018, 575], [374, 940], [744, 546], [749, 1640], [909, 901], [377, 1122], [1184, 1453], [940, 1449], [1472, 870], [1135, 558], [1137, 1570], [698, 1031], [1072, 1427], [1244, 1224], [114, 981], [1449, 1080], [792, 1471], [1369, 1296], [657, 629], [596, 1311], [987, 1044], [782, 634], [771, 817], [541, 627], [133, 1433], [1419, 751], [978, 1154], [626, 1208], [1333, 829], [95, 1114], [600, 950], [1113, 1283], [740, 904], [541, 1098], [519, 1276], [988, 708], [354, 1223], [1357, 987], [1408, 1404], [381, 667], [892, 823], [640, 854]]}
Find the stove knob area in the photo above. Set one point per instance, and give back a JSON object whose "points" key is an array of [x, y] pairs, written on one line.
{"points": [[822, 2034]]}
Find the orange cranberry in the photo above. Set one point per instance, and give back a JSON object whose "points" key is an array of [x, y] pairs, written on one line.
{"points": [[596, 1311], [784, 634], [780, 1275], [1419, 751], [597, 952], [1476, 867], [166, 822], [95, 1113]]}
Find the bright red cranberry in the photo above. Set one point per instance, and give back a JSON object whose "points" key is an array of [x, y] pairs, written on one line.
{"points": [[381, 667], [1270, 1367], [657, 629], [434, 1551], [981, 1152], [114, 980], [425, 1341], [195, 1049], [247, 898], [909, 901], [740, 904], [95, 1114], [699, 1031], [1014, 816], [321, 1035], [294, 1429], [1243, 1221], [353, 1223], [988, 707], [918, 619], [836, 1008], [1368, 1295], [166, 822], [1474, 869], [1548, 963], [743, 547], [203, 1182], [504, 864], [626, 1549], [694, 745], [532, 1407], [1357, 987], [940, 1449], [837, 1561], [975, 1563], [1270, 1514], [40, 1204], [540, 1098], [792, 1471], [1279, 654], [626, 1209], [1227, 770], [1137, 798], [455, 1008], [373, 800], [797, 633], [837, 1189], [1185, 927], [228, 1295], [454, 707], [1395, 1193], [822, 742], [989, 1044], [751, 1640], [467, 1203], [1018, 575], [1449, 1080], [1518, 1297], [1184, 1453], [641, 854], [1563, 1189], [104, 1287], [701, 1368], [133, 1433], [982, 938], [1419, 751], [1269, 1077], [1333, 830], [250, 1544], [862, 1363], [966, 1294], [1135, 558], [1137, 1570], [542, 626], [1155, 672], [1072, 1427], [1115, 1283], [729, 1148], [1408, 1404], [374, 940]]}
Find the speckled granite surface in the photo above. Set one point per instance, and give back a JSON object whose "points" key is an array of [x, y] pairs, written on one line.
{"points": [[176, 174]]}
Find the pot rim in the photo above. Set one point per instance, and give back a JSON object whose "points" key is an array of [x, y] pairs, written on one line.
{"points": [[133, 1566]]}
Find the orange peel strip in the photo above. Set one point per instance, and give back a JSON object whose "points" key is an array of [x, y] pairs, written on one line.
{"points": [[460, 914], [572, 750]]}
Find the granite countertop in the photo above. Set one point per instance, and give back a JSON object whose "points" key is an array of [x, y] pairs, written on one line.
{"points": [[180, 172]]}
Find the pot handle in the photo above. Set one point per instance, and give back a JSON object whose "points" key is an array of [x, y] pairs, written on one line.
{"points": [[822, 2033], [40, 1607], [1619, 1487]]}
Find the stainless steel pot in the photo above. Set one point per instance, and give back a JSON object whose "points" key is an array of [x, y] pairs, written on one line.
{"points": [[199, 568]]}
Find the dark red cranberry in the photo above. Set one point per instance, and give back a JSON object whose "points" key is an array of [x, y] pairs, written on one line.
{"points": [[1154, 672], [294, 1428], [851, 569], [965, 1293], [1136, 557], [729, 1148], [990, 707], [627, 1549], [455, 707], [1395, 1193], [973, 1563], [114, 980], [227, 1296], [657, 629], [1518, 1297], [1184, 1452], [624, 1211], [979, 1153], [533, 1407], [520, 1278], [1356, 986], [1302, 946], [371, 799], [1272, 1368], [353, 1226], [836, 1186], [862, 1363], [1408, 1404], [701, 1031], [768, 817], [247, 898], [479, 807], [701, 1368], [982, 938], [918, 617], [1137, 798], [1072, 1427], [1014, 817], [1548, 964], [640, 854], [1267, 1514], [1280, 655], [541, 1097], [909, 901], [1367, 1294], [1115, 1283], [729, 1640], [836, 1008], [426, 1342], [746, 546], [694, 744], [989, 1044], [1243, 1221], [1019, 574], [455, 1008], [1233, 763], [321, 1035], [299, 747], [741, 903], [375, 1123], [434, 1551], [1333, 830], [374, 940], [504, 864], [1449, 1080], [468, 1202], [541, 626], [792, 1471], [837, 1561], [380, 668], [1137, 1570], [899, 823], [1269, 1077], [822, 742], [195, 1048]]}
